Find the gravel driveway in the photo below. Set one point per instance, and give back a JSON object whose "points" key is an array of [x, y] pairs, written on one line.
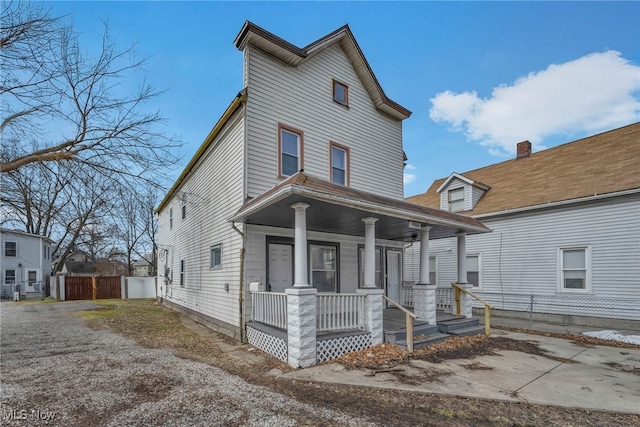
{"points": [[56, 371]]}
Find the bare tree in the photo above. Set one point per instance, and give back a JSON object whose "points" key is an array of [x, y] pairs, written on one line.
{"points": [[78, 136], [60, 104]]}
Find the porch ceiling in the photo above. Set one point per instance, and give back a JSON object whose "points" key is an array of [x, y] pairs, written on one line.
{"points": [[337, 209]]}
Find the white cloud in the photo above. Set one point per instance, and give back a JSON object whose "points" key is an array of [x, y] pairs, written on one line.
{"points": [[408, 177], [597, 92]]}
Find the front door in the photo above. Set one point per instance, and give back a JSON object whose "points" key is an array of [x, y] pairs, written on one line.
{"points": [[280, 267], [32, 280], [394, 279]]}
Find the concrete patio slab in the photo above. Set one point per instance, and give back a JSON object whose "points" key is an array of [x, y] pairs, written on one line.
{"points": [[591, 377]]}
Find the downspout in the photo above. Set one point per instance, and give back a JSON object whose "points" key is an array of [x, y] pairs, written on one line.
{"points": [[241, 287]]}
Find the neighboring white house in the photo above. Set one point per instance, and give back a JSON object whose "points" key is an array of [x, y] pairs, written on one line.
{"points": [[566, 228], [26, 261], [297, 191], [143, 268]]}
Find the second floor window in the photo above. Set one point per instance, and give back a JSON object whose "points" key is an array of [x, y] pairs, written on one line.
{"points": [[171, 218], [339, 164], [456, 200], [341, 93], [184, 205], [290, 151], [10, 249]]}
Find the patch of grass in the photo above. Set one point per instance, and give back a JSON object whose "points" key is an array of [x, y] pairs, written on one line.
{"points": [[448, 413], [45, 300]]}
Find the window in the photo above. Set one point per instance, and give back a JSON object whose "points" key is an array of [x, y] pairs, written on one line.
{"points": [[324, 267], [379, 272], [339, 158], [290, 150], [574, 269], [456, 200], [9, 277], [184, 205], [341, 93], [171, 218], [215, 259], [182, 273], [432, 270], [473, 270], [10, 248]]}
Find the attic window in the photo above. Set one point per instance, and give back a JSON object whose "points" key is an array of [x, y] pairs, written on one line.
{"points": [[456, 200], [340, 93]]}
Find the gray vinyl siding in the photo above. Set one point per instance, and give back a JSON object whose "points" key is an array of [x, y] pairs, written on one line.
{"points": [[476, 194], [301, 97], [453, 185], [214, 192], [520, 256]]}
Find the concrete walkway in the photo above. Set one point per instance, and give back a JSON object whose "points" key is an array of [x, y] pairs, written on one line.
{"points": [[597, 377]]}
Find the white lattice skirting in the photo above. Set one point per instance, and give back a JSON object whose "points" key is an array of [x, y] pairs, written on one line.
{"points": [[335, 347], [276, 347]]}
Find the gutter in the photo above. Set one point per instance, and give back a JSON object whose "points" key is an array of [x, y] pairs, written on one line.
{"points": [[241, 284], [593, 198]]}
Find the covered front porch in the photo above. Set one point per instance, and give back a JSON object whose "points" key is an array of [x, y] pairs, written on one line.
{"points": [[304, 326]]}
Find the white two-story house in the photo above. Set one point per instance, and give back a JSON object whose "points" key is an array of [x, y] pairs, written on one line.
{"points": [[296, 191], [26, 262], [565, 229]]}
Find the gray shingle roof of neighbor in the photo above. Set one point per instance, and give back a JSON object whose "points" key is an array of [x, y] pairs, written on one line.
{"points": [[601, 164]]}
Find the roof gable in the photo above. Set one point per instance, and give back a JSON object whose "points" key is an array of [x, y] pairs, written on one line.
{"points": [[462, 178], [605, 163], [293, 55]]}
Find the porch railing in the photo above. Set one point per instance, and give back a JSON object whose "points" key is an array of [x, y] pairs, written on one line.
{"points": [[487, 307], [340, 312], [269, 308], [409, 316]]}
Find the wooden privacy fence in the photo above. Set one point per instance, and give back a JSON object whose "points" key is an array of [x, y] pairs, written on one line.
{"points": [[97, 287]]}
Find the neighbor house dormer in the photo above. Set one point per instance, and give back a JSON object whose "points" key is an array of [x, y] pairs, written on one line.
{"points": [[459, 193]]}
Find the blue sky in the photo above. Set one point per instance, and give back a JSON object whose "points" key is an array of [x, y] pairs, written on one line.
{"points": [[478, 76]]}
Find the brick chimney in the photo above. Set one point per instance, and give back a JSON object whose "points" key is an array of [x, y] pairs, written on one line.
{"points": [[523, 149]]}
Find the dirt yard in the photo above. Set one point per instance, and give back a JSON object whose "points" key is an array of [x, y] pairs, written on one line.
{"points": [[166, 374]]}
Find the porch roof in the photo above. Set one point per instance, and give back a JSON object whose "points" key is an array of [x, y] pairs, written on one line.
{"points": [[338, 209]]}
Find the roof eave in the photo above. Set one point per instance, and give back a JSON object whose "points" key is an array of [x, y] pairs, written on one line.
{"points": [[235, 104]]}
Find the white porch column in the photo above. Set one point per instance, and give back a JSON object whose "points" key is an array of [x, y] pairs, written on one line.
{"points": [[462, 257], [301, 326], [300, 246], [369, 260], [424, 292], [301, 300], [466, 308], [374, 303]]}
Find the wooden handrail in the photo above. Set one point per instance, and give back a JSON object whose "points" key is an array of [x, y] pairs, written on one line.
{"points": [[487, 306], [408, 321]]}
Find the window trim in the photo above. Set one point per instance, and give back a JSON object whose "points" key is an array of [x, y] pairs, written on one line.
{"points": [[335, 83], [15, 275], [184, 204], [290, 129], [434, 270], [587, 269], [15, 248], [333, 245], [479, 255], [347, 161], [182, 273], [383, 271], [212, 248], [171, 218], [449, 204]]}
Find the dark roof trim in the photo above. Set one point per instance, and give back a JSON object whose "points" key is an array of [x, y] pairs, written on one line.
{"points": [[235, 104]]}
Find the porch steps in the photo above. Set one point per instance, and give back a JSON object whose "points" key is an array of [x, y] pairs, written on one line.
{"points": [[460, 326], [423, 335]]}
